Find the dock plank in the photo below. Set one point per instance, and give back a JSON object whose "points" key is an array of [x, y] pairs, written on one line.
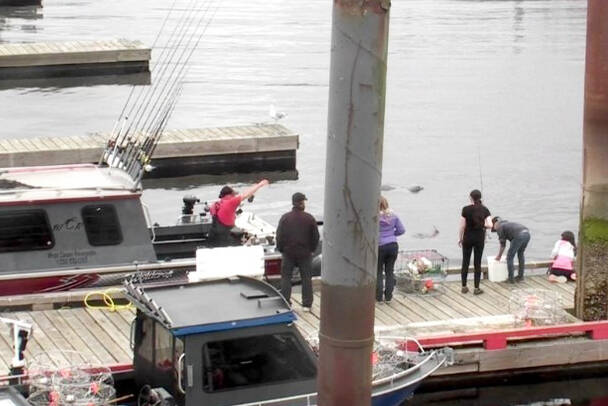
{"points": [[119, 339], [56, 339], [72, 336], [101, 353], [106, 340]]}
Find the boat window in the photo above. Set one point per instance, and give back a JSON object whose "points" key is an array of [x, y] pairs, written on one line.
{"points": [[25, 230], [258, 360], [101, 225]]}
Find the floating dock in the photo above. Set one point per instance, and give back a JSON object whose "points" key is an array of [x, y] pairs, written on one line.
{"points": [[462, 321], [20, 3], [262, 147], [73, 58]]}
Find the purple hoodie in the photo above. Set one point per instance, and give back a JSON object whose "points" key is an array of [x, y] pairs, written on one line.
{"points": [[390, 228]]}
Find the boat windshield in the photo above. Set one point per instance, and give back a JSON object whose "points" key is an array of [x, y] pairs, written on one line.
{"points": [[258, 360]]}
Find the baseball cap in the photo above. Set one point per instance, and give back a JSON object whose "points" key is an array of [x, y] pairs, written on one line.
{"points": [[298, 197]]}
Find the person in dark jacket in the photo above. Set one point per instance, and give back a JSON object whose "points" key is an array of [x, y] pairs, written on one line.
{"points": [[519, 237], [297, 239], [474, 220]]}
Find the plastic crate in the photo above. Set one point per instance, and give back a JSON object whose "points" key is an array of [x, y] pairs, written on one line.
{"points": [[421, 272]]}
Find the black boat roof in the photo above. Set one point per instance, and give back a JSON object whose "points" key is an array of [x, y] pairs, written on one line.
{"points": [[224, 304]]}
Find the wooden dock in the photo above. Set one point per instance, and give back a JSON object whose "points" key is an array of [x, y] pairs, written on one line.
{"points": [[263, 147], [103, 336], [73, 58], [20, 3]]}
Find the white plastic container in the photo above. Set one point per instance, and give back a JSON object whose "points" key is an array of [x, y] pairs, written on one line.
{"points": [[497, 270]]}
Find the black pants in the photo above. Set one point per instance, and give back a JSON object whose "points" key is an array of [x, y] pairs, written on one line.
{"points": [[219, 235], [305, 266], [387, 255], [472, 244]]}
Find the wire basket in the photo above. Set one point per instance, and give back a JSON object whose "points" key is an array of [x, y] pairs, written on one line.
{"points": [[536, 307], [421, 272]]}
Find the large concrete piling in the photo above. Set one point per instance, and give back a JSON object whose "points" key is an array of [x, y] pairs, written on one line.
{"points": [[352, 188], [591, 301]]}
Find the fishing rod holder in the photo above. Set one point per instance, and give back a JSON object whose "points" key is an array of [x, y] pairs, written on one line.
{"points": [[20, 331]]}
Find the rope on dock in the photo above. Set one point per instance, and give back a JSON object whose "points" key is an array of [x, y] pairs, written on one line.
{"points": [[108, 301]]}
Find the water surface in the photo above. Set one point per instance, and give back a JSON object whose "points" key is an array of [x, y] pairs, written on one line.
{"points": [[480, 94]]}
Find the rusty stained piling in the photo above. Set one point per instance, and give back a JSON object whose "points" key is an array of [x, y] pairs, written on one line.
{"points": [[591, 302], [352, 188]]}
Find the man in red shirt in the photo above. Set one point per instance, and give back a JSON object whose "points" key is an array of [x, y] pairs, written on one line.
{"points": [[223, 213]]}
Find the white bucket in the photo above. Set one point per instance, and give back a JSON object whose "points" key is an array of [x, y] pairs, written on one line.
{"points": [[497, 270]]}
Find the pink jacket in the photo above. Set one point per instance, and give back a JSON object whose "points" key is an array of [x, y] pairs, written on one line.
{"points": [[563, 252]]}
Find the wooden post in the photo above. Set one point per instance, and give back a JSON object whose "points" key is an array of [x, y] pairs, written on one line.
{"points": [[591, 301]]}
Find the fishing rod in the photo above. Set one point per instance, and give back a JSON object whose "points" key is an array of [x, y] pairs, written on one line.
{"points": [[183, 70], [132, 146], [170, 97], [167, 55], [139, 134], [182, 62], [122, 117], [164, 60]]}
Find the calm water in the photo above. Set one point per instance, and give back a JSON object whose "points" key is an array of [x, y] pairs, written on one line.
{"points": [[480, 93]]}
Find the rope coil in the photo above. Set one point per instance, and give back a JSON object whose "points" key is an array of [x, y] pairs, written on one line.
{"points": [[108, 300]]}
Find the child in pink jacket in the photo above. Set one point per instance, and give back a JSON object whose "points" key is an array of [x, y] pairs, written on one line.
{"points": [[563, 254]]}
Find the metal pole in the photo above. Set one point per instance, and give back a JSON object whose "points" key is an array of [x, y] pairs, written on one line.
{"points": [[591, 302], [352, 188]]}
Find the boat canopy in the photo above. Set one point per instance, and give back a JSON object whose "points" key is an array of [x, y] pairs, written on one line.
{"points": [[64, 182], [218, 305]]}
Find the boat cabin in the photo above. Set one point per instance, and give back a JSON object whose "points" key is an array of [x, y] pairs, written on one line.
{"points": [[225, 342], [70, 216]]}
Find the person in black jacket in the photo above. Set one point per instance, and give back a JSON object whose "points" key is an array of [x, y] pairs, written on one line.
{"points": [[472, 237], [297, 239]]}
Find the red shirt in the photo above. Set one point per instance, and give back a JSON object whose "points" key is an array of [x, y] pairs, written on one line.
{"points": [[225, 209]]}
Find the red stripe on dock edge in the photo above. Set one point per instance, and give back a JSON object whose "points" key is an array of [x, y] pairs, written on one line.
{"points": [[497, 340]]}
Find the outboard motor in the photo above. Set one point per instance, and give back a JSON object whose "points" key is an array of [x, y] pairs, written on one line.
{"points": [[188, 209], [189, 202]]}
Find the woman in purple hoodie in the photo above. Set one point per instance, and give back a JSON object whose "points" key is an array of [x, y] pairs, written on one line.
{"points": [[390, 228]]}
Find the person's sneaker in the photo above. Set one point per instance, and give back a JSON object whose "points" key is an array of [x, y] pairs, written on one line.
{"points": [[464, 290], [519, 279], [379, 302], [477, 291], [306, 309], [561, 279], [388, 301], [511, 281]]}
